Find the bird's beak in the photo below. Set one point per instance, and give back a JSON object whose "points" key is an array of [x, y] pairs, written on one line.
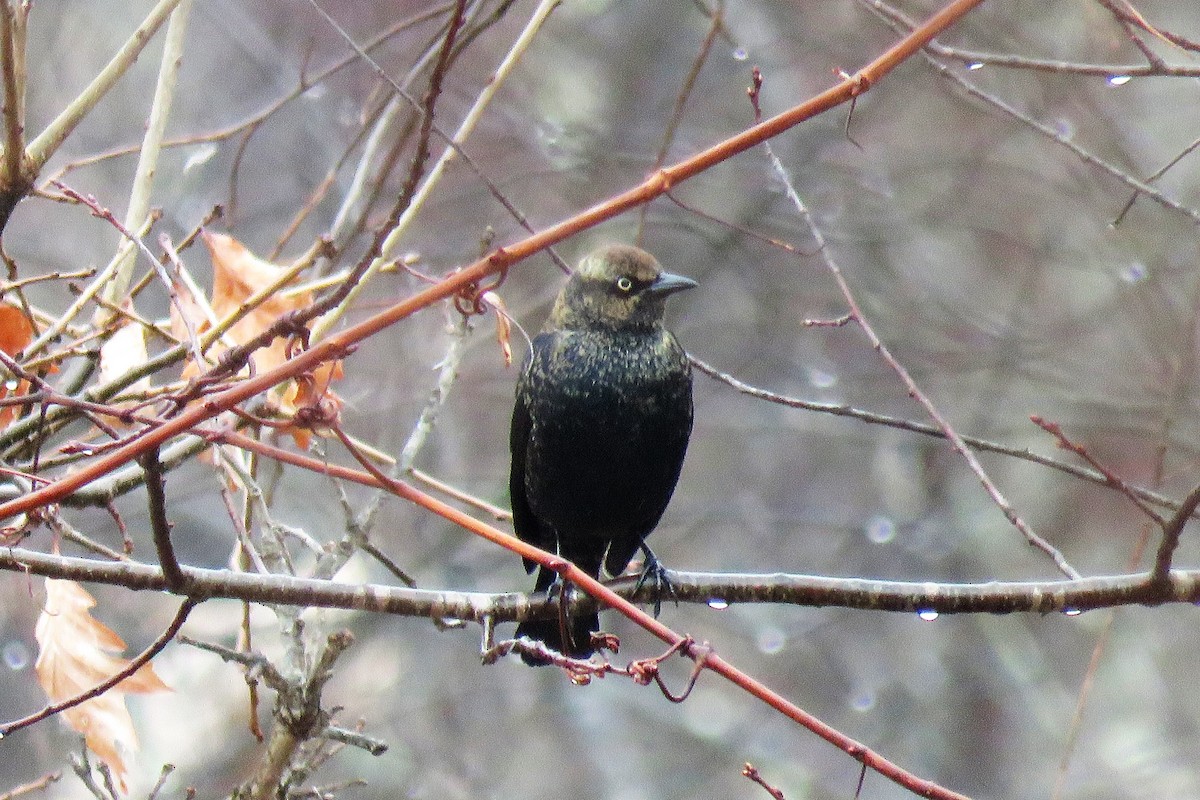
{"points": [[669, 283]]}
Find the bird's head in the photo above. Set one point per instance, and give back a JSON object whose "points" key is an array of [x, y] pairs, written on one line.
{"points": [[617, 287]]}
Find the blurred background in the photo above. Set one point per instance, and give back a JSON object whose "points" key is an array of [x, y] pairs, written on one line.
{"points": [[985, 252]]}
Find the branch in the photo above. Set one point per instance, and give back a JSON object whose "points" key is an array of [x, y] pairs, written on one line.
{"points": [[711, 588], [927, 429], [147, 167], [47, 142], [161, 526], [1172, 530], [914, 391], [901, 22], [12, 52], [454, 145]]}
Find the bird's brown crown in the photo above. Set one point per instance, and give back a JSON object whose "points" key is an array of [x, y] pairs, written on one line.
{"points": [[617, 287]]}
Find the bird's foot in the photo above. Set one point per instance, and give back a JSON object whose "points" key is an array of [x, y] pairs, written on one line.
{"points": [[654, 572]]}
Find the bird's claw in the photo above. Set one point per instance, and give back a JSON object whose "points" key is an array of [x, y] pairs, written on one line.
{"points": [[654, 571]]}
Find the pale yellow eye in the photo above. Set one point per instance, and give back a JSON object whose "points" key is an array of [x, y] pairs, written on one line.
{"points": [[625, 284]]}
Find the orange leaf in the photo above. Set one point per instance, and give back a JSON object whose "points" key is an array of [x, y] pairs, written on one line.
{"points": [[15, 333], [238, 275], [75, 654], [15, 330]]}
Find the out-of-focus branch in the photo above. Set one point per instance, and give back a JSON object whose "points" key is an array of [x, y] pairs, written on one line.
{"points": [[448, 154], [46, 143], [143, 179], [12, 68]]}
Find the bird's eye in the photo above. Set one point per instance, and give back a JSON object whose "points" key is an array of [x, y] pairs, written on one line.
{"points": [[625, 284]]}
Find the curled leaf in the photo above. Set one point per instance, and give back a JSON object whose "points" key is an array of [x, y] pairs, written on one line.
{"points": [[503, 325]]}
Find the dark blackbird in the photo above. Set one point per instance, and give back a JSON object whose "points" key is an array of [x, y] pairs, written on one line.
{"points": [[600, 426]]}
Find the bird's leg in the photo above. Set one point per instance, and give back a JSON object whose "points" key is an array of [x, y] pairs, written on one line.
{"points": [[564, 618], [653, 570], [564, 590]]}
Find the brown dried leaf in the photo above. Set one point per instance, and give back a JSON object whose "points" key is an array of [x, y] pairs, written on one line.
{"points": [[75, 654], [503, 325], [15, 330], [15, 333], [238, 275]]}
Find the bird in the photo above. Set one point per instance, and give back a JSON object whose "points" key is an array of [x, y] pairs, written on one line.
{"points": [[600, 426]]}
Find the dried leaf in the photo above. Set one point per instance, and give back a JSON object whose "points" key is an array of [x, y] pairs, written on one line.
{"points": [[75, 654], [15, 333], [238, 275], [15, 330], [503, 325], [124, 350]]}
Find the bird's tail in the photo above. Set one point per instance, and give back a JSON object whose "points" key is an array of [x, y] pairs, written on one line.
{"points": [[579, 629]]}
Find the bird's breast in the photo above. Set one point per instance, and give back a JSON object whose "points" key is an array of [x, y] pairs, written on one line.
{"points": [[610, 418]]}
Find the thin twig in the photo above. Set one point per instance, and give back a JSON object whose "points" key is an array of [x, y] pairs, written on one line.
{"points": [[716, 25], [750, 771], [454, 147], [47, 142], [258, 118], [1172, 530], [159, 524], [39, 785], [147, 167], [1110, 477], [899, 21], [914, 391]]}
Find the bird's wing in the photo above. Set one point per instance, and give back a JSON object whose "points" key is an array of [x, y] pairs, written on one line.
{"points": [[664, 466], [526, 525]]}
